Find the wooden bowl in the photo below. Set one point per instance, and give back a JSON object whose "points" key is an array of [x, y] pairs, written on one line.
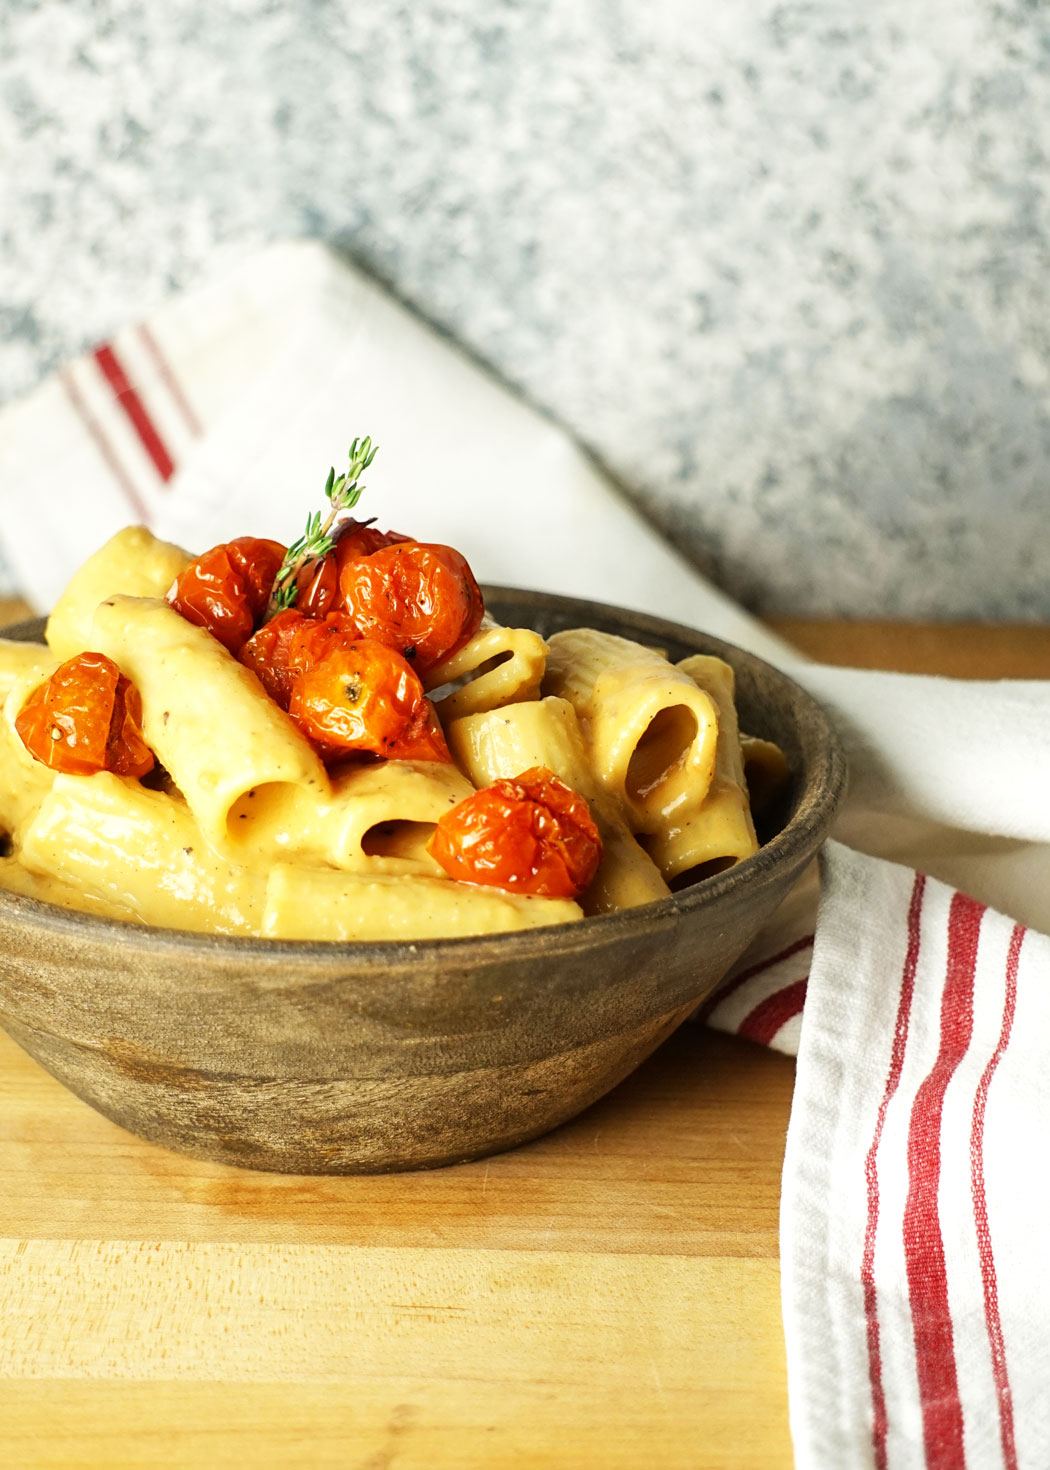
{"points": [[356, 1058]]}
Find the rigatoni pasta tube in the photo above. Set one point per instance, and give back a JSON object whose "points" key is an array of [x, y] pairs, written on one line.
{"points": [[765, 770], [30, 662], [24, 782], [505, 742], [381, 816], [502, 666], [16, 878], [718, 829], [302, 903], [652, 733], [206, 717], [133, 563], [142, 854], [377, 818]]}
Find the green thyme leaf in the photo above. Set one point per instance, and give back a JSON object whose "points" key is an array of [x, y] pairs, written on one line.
{"points": [[343, 492]]}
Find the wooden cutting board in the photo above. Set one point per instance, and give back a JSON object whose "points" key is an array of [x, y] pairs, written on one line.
{"points": [[607, 1297]]}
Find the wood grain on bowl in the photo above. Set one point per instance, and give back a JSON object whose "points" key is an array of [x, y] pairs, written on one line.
{"points": [[337, 1058]]}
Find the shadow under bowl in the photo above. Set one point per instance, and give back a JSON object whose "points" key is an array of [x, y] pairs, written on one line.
{"points": [[359, 1058]]}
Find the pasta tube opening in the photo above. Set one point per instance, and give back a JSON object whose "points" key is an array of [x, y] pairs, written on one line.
{"points": [[651, 732], [398, 839], [142, 855], [376, 817], [271, 818], [497, 666], [765, 771], [661, 751], [546, 732], [706, 836], [485, 667], [697, 874]]}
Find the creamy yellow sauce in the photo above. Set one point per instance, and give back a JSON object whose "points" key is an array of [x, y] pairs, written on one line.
{"points": [[249, 834]]}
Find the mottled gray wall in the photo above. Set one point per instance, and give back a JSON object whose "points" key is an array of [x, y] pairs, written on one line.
{"points": [[783, 267]]}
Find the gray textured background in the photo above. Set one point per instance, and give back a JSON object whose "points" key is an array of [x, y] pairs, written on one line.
{"points": [[783, 267]]}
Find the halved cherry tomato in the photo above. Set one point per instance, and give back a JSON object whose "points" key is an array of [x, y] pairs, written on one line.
{"points": [[349, 694], [532, 834], [86, 718], [318, 582], [420, 599], [227, 588]]}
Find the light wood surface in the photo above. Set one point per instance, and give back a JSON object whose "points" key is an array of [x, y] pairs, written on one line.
{"points": [[961, 650], [606, 1297]]}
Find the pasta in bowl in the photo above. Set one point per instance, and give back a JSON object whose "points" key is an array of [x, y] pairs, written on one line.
{"points": [[262, 961]]}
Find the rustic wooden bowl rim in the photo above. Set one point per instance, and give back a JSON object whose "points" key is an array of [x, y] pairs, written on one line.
{"points": [[824, 784]]}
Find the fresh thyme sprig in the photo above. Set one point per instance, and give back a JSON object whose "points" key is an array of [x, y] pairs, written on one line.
{"points": [[316, 541]]}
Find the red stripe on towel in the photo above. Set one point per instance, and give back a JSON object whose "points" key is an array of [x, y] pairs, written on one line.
{"points": [[867, 1268], [763, 1023], [714, 1001], [113, 371], [980, 1210], [942, 1417], [168, 378], [102, 444]]}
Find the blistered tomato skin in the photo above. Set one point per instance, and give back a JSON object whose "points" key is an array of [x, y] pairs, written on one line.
{"points": [[421, 739], [268, 653], [86, 718], [318, 582], [351, 695], [345, 693], [532, 834], [227, 588], [418, 598], [317, 587], [127, 753]]}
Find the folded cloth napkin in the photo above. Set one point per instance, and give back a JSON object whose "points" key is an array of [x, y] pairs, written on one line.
{"points": [[916, 1315]]}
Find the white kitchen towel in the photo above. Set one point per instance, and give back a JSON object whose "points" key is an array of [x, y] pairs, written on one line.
{"points": [[915, 1304], [226, 409], [915, 1204]]}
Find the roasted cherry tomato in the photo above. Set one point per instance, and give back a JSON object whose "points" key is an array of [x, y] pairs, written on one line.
{"points": [[318, 582], [349, 694], [127, 753], [532, 834], [86, 718], [355, 539], [317, 586], [420, 599], [390, 715], [422, 739], [227, 588], [268, 653]]}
